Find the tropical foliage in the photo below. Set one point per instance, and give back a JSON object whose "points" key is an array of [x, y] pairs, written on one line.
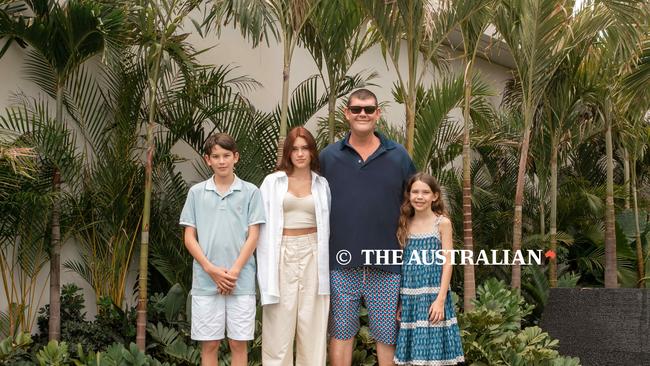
{"points": [[104, 152]]}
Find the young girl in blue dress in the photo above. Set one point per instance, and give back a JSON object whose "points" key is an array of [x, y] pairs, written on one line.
{"points": [[428, 333]]}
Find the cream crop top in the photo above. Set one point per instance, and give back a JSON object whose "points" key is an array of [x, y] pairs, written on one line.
{"points": [[299, 212]]}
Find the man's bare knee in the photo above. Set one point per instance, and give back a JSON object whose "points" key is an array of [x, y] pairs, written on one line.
{"points": [[340, 351], [385, 354]]}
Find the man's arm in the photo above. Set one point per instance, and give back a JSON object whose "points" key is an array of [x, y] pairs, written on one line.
{"points": [[225, 281]]}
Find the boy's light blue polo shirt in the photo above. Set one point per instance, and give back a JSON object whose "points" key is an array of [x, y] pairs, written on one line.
{"points": [[221, 224]]}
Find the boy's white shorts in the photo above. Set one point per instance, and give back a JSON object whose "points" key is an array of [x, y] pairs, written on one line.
{"points": [[212, 315]]}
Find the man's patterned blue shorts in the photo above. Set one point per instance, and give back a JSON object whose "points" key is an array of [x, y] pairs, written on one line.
{"points": [[380, 293]]}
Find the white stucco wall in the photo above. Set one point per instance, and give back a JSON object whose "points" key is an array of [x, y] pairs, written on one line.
{"points": [[264, 64]]}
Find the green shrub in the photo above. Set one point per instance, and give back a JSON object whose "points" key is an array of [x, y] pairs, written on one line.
{"points": [[492, 332], [111, 325], [14, 350]]}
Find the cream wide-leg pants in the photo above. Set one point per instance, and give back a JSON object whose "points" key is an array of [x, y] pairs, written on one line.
{"points": [[301, 314]]}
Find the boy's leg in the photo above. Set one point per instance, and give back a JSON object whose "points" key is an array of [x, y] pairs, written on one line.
{"points": [[381, 294], [345, 300], [240, 324], [210, 353], [239, 350], [208, 325]]}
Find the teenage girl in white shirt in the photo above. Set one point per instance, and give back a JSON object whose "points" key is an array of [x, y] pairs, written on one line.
{"points": [[293, 257]]}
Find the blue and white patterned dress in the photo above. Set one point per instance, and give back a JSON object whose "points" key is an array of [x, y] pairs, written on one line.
{"points": [[419, 341]]}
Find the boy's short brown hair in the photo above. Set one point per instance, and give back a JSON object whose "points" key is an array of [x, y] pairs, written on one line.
{"points": [[221, 139]]}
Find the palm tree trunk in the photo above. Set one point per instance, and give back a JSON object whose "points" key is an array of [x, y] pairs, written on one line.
{"points": [[284, 108], [611, 279], [552, 268], [331, 112], [519, 199], [141, 321], [542, 217], [54, 323], [469, 284], [411, 94], [410, 123], [640, 262], [626, 173]]}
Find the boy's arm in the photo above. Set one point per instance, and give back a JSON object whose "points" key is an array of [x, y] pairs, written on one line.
{"points": [[246, 251], [256, 217], [225, 281]]}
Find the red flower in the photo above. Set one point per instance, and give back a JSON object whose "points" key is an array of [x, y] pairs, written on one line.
{"points": [[550, 254]]}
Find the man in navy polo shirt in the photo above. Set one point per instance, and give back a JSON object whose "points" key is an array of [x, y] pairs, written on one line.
{"points": [[366, 173]]}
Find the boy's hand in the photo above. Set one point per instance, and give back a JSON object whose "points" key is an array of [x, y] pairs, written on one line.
{"points": [[225, 281], [234, 273]]}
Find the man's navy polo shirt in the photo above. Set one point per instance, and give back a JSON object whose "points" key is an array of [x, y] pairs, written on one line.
{"points": [[366, 198]]}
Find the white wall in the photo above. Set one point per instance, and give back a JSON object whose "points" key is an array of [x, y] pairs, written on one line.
{"points": [[264, 64]]}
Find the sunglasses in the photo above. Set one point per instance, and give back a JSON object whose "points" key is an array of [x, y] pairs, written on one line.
{"points": [[369, 109]]}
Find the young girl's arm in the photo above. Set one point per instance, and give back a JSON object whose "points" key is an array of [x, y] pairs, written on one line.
{"points": [[437, 309]]}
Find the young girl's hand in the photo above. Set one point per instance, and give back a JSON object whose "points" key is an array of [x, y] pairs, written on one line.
{"points": [[437, 311]]}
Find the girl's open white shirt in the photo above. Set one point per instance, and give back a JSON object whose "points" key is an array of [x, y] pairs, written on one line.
{"points": [[273, 189]]}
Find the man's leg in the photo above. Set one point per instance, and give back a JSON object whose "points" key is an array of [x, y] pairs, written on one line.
{"points": [[381, 294], [385, 354], [239, 351], [345, 300], [341, 352]]}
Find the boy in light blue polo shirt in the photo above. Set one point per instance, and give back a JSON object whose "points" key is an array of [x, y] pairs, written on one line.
{"points": [[221, 217]]}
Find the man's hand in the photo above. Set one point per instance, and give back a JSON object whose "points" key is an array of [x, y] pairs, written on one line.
{"points": [[224, 280], [399, 312]]}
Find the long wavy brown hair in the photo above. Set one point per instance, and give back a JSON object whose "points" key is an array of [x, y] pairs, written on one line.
{"points": [[299, 131], [407, 211]]}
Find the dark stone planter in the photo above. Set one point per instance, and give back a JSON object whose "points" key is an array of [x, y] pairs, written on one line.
{"points": [[601, 326]]}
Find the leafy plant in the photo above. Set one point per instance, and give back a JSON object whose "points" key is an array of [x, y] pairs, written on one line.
{"points": [[62, 37], [58, 354], [54, 354], [14, 350], [169, 344], [364, 349], [111, 325], [23, 245], [169, 328], [492, 336]]}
